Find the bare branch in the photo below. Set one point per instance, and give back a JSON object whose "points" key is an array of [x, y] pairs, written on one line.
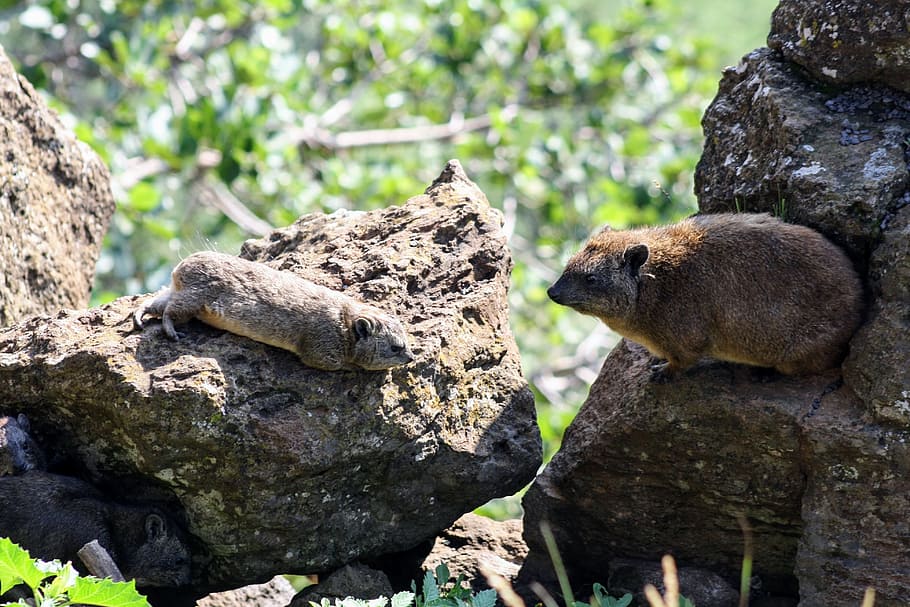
{"points": [[317, 137], [99, 562]]}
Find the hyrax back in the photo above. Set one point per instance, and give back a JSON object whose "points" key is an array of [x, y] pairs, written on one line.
{"points": [[737, 287], [326, 329]]}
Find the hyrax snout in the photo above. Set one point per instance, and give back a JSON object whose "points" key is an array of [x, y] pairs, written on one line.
{"points": [[745, 288]]}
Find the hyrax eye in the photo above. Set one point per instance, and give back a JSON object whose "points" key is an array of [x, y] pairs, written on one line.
{"points": [[590, 278], [396, 349]]}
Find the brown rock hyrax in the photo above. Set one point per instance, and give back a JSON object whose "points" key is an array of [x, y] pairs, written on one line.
{"points": [[53, 516], [328, 330], [737, 287], [18, 451]]}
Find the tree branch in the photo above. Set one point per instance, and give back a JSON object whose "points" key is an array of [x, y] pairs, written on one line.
{"points": [[316, 137]]}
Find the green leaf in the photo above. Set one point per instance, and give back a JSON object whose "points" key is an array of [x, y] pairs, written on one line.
{"points": [[442, 574], [106, 593], [430, 589], [17, 566], [144, 197], [62, 582], [485, 598], [403, 599]]}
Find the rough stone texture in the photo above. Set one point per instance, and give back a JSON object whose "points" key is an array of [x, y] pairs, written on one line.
{"points": [[354, 580], [845, 41], [277, 592], [702, 587], [279, 468], [775, 143], [640, 472], [55, 206], [818, 464], [472, 544]]}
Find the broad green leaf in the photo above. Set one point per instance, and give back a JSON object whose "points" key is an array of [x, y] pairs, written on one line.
{"points": [[485, 598], [62, 582], [430, 589], [403, 599], [17, 566], [442, 574], [106, 593]]}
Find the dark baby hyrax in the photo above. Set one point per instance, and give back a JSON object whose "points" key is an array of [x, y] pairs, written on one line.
{"points": [[18, 451], [328, 330], [53, 516], [745, 288]]}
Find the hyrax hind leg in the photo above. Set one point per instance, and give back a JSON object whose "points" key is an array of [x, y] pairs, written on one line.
{"points": [[172, 307]]}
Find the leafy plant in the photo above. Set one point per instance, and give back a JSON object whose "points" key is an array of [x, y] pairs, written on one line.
{"points": [[600, 598], [438, 593], [435, 592], [56, 585]]}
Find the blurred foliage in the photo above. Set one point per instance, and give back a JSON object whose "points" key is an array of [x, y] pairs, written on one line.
{"points": [[220, 118]]}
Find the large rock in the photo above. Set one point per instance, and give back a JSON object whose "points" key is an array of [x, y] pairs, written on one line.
{"points": [[649, 468], [279, 468], [818, 464], [55, 206], [776, 143], [845, 41]]}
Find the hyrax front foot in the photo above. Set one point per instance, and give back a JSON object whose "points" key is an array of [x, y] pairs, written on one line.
{"points": [[158, 308]]}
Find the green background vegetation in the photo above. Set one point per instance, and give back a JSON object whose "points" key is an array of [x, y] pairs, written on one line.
{"points": [[221, 118]]}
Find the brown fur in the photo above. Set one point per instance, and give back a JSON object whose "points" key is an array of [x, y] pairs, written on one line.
{"points": [[737, 287], [326, 329]]}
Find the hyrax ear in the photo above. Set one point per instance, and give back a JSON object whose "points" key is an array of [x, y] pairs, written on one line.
{"points": [[363, 327], [155, 527], [635, 256]]}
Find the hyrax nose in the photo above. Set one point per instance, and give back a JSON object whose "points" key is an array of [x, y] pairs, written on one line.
{"points": [[555, 293]]}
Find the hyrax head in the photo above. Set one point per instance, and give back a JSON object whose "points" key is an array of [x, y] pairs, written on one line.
{"points": [[380, 342], [603, 278]]}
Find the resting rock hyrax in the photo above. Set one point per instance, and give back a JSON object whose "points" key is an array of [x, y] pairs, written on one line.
{"points": [[328, 330], [745, 288]]}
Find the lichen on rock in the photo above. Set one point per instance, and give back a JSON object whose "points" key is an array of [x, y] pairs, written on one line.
{"points": [[279, 468]]}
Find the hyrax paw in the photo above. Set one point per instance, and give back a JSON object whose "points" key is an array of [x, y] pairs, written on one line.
{"points": [[662, 372]]}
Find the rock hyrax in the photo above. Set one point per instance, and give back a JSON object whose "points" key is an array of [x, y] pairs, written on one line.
{"points": [[53, 516], [744, 288], [18, 451], [327, 329]]}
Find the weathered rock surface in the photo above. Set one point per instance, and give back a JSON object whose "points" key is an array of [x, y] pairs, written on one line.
{"points": [[845, 41], [278, 468], [818, 464], [776, 143], [471, 545], [704, 588], [55, 205], [353, 580], [277, 592], [648, 468]]}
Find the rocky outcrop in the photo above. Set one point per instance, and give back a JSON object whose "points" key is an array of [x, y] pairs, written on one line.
{"points": [[817, 464], [55, 206], [278, 468], [472, 546], [845, 41], [277, 592]]}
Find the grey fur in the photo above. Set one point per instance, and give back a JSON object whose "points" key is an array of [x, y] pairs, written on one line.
{"points": [[328, 330], [18, 451], [53, 516]]}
